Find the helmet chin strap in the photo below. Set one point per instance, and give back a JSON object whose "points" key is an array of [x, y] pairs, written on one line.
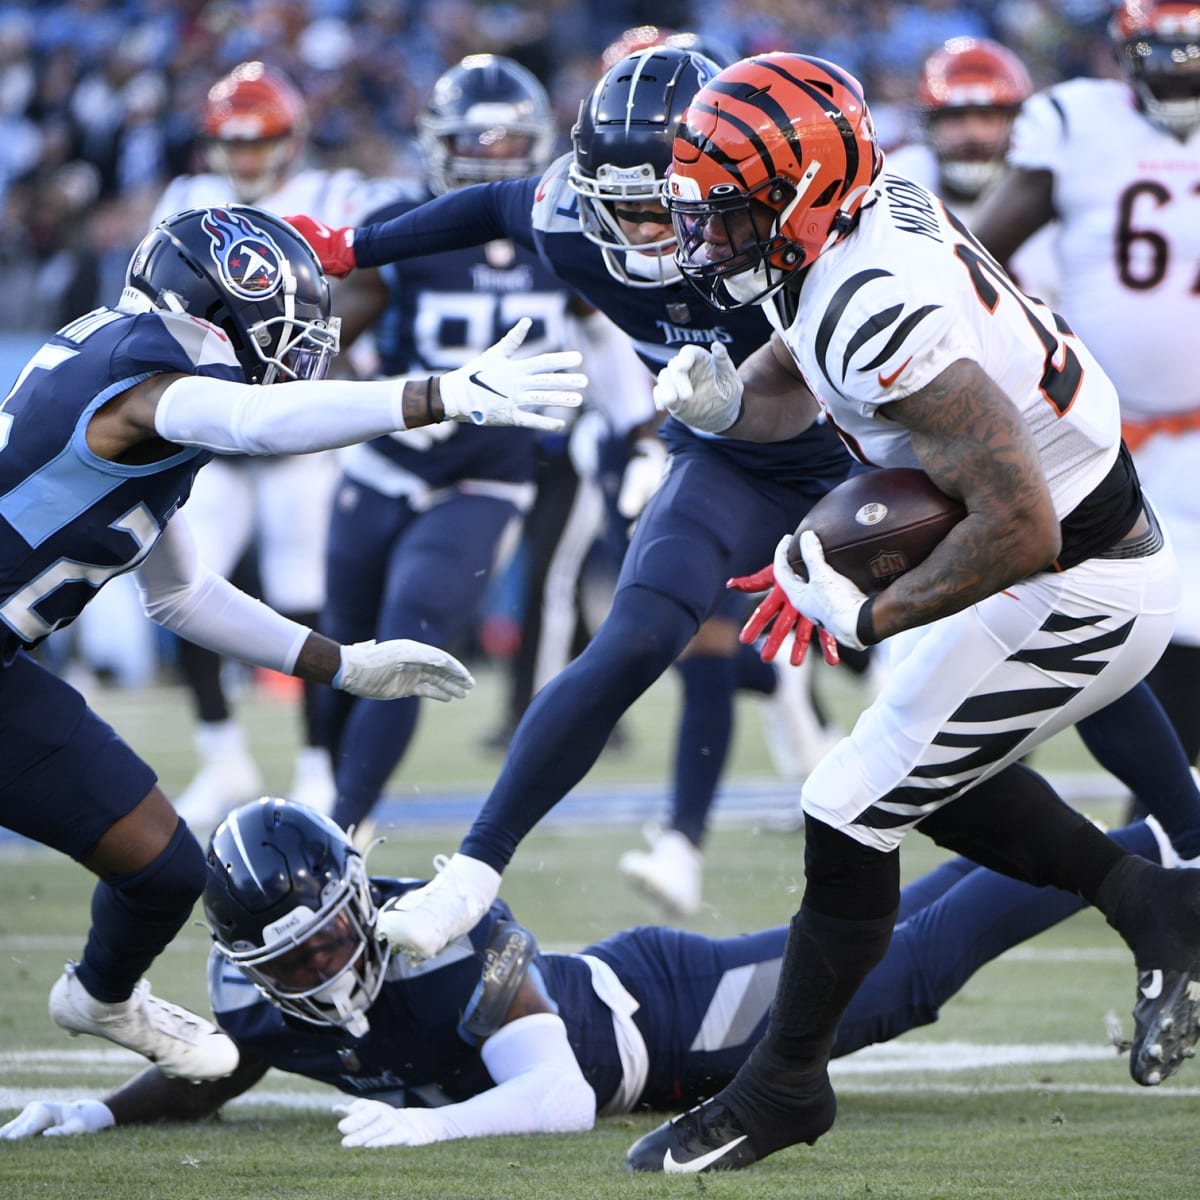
{"points": [[661, 268], [340, 996]]}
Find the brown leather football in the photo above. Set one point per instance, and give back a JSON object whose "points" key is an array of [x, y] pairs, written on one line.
{"points": [[877, 525]]}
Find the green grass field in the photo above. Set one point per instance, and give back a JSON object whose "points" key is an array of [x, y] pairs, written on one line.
{"points": [[1014, 1093]]}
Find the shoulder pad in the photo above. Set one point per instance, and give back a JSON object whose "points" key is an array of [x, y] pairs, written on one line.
{"points": [[555, 206]]}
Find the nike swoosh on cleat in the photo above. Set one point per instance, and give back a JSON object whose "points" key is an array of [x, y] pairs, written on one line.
{"points": [[1153, 989], [479, 383], [691, 1167], [886, 381]]}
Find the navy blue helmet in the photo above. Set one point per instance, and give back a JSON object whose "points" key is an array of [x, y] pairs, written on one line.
{"points": [[289, 903], [247, 272], [622, 151]]}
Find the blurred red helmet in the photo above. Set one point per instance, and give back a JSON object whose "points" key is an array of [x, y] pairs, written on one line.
{"points": [[973, 73], [254, 103]]}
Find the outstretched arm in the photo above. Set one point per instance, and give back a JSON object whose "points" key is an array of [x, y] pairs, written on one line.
{"points": [[181, 594], [468, 216], [147, 1097]]}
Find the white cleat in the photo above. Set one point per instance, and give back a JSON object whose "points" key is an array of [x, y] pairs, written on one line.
{"points": [[177, 1041], [228, 776], [670, 873], [423, 922], [312, 781]]}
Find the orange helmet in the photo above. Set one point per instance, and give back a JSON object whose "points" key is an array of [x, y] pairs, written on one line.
{"points": [[1158, 47], [971, 75], [254, 103], [771, 163]]}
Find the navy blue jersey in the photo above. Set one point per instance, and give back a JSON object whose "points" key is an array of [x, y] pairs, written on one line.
{"points": [[543, 216], [699, 1004], [70, 521], [442, 311]]}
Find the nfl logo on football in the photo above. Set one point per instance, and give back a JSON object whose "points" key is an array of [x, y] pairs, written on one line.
{"points": [[887, 565]]}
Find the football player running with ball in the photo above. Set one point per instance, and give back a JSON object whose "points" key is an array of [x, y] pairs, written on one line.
{"points": [[1051, 598], [101, 438]]}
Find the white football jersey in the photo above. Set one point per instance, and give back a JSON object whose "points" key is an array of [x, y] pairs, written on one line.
{"points": [[338, 198], [1128, 195], [1034, 265], [884, 312]]}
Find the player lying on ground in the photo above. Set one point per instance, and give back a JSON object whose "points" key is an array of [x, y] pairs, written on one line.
{"points": [[547, 1041]]}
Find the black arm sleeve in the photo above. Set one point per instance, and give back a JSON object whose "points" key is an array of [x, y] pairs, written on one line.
{"points": [[468, 217]]}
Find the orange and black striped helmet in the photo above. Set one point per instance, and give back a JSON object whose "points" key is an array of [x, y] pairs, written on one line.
{"points": [[771, 162]]}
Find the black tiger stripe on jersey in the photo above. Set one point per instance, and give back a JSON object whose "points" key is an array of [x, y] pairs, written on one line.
{"points": [[833, 314], [1069, 657], [869, 329], [874, 326], [1001, 706]]}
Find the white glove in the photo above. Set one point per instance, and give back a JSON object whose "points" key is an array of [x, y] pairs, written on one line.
{"points": [[828, 599], [642, 476], [58, 1120], [373, 1123], [496, 389], [389, 670], [701, 389]]}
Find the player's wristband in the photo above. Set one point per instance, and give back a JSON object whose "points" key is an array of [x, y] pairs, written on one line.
{"points": [[865, 626]]}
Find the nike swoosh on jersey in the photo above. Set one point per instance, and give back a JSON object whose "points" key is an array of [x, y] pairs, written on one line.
{"points": [[886, 381], [1153, 989], [479, 383], [671, 1167]]}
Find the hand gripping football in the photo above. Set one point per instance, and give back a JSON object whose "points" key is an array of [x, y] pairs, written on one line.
{"points": [[875, 526]]}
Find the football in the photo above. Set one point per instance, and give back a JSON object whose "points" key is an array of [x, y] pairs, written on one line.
{"points": [[877, 525]]}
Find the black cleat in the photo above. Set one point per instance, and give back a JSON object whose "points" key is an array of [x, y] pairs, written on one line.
{"points": [[1166, 1024], [705, 1138]]}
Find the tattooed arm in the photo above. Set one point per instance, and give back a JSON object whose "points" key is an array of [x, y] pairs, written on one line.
{"points": [[972, 442]]}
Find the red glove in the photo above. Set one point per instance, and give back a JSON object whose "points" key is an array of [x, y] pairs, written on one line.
{"points": [[787, 619], [333, 247]]}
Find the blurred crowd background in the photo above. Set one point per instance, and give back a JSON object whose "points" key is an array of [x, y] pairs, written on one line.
{"points": [[99, 98], [100, 103]]}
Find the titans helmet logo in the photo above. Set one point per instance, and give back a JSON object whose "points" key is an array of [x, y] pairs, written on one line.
{"points": [[248, 261]]}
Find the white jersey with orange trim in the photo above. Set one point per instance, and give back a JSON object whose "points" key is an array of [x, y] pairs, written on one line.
{"points": [[909, 292], [1033, 266], [1128, 197]]}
